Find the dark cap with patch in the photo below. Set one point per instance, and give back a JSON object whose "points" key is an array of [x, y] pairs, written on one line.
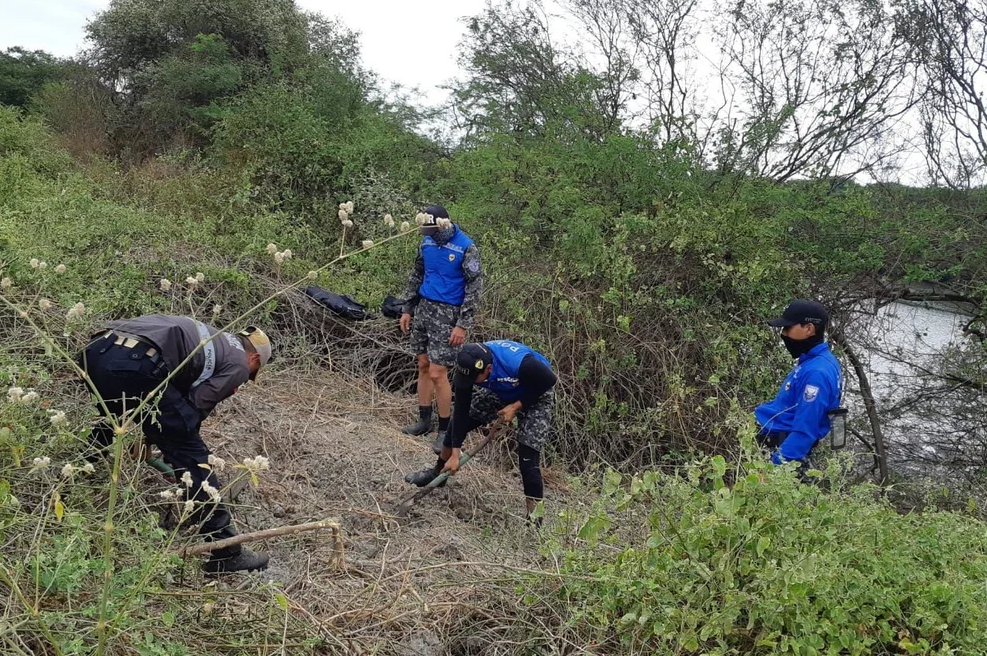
{"points": [[436, 212], [471, 361], [802, 311], [432, 212]]}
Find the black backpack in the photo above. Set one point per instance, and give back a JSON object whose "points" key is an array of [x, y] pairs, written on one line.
{"points": [[392, 308]]}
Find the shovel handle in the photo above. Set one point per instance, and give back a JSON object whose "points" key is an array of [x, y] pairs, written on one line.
{"points": [[410, 500]]}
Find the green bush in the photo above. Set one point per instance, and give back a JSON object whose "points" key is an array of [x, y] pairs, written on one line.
{"points": [[746, 560]]}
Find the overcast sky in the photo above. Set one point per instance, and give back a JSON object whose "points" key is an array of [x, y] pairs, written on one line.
{"points": [[392, 32]]}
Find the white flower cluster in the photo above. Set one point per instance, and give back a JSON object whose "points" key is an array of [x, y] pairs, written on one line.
{"points": [[367, 243], [211, 491], [38, 264], [75, 312], [216, 309], [257, 463], [216, 462], [45, 304], [345, 209], [443, 224], [169, 495], [198, 278], [6, 283], [61, 268], [57, 418], [405, 226], [69, 469], [279, 257], [388, 220], [187, 479], [18, 395], [40, 463], [421, 218], [165, 284]]}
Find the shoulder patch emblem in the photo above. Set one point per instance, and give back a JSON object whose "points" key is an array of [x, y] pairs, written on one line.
{"points": [[473, 265], [810, 394]]}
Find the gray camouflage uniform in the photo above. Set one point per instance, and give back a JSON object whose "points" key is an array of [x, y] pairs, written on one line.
{"points": [[534, 424], [433, 322]]}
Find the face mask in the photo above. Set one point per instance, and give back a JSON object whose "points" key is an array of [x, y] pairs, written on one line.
{"points": [[797, 347], [442, 236]]}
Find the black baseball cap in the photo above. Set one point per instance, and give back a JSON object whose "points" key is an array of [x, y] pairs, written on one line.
{"points": [[802, 311], [435, 212], [471, 361]]}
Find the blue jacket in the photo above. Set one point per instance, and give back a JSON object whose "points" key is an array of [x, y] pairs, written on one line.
{"points": [[507, 357], [444, 281], [810, 390]]}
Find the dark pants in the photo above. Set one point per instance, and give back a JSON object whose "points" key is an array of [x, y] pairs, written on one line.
{"points": [[534, 430], [124, 376], [770, 440]]}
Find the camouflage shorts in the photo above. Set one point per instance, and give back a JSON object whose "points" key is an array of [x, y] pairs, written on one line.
{"points": [[430, 331], [534, 423]]}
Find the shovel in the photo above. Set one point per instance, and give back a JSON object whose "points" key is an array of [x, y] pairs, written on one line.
{"points": [[421, 493]]}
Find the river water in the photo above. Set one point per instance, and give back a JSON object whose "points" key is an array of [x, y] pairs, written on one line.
{"points": [[901, 343]]}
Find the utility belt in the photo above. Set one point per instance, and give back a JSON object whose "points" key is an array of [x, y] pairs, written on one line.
{"points": [[432, 300], [141, 346]]}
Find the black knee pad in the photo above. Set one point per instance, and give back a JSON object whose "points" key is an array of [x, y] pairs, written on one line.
{"points": [[529, 463]]}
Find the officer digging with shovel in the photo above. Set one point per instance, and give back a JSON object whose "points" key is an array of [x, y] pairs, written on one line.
{"points": [[500, 380], [132, 357]]}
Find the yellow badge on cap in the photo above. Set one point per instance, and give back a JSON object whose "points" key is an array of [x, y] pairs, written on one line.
{"points": [[479, 364]]}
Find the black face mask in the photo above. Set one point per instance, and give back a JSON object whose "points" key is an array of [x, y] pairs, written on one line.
{"points": [[797, 347], [441, 237]]}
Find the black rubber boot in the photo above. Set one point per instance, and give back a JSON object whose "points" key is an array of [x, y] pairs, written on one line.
{"points": [[243, 560], [421, 427], [423, 477], [438, 443]]}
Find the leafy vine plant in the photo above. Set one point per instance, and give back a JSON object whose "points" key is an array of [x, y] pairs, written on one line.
{"points": [[35, 310]]}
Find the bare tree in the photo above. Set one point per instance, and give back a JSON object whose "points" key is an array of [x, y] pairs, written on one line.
{"points": [[819, 84], [949, 38], [611, 36]]}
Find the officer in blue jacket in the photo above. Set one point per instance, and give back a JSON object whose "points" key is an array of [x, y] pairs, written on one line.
{"points": [[501, 379], [443, 296], [792, 423]]}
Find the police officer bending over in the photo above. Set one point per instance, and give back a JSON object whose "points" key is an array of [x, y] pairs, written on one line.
{"points": [[443, 294], [132, 357], [493, 380], [792, 423]]}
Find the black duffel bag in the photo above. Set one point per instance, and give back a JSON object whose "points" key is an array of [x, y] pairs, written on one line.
{"points": [[342, 306]]}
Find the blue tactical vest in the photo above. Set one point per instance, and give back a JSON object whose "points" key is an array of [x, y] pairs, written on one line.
{"points": [[507, 357], [444, 281]]}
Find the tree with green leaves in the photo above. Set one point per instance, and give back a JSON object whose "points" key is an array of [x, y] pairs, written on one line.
{"points": [[25, 72]]}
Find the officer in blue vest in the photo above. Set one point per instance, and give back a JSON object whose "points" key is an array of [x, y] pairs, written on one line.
{"points": [[443, 295], [501, 379], [796, 419]]}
